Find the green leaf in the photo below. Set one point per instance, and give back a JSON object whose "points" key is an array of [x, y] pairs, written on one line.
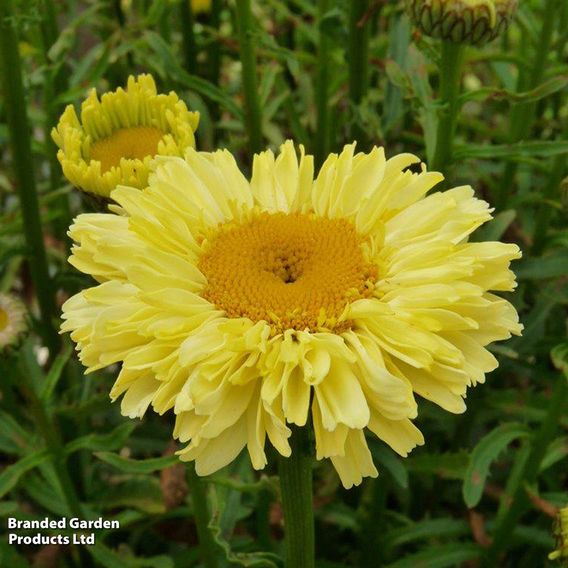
{"points": [[108, 558], [127, 465], [113, 440], [538, 268], [494, 230], [543, 90], [446, 556], [11, 474], [10, 557], [14, 439], [511, 151], [446, 466], [142, 493], [424, 530], [176, 72], [55, 372], [386, 458], [484, 454]]}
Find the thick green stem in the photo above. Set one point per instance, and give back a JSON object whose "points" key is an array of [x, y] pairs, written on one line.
{"points": [[297, 500], [518, 497], [522, 115], [214, 53], [19, 129], [202, 515], [451, 61], [321, 144], [248, 60], [189, 45], [53, 83], [358, 51]]}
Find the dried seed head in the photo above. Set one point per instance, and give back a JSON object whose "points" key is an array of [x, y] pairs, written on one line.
{"points": [[473, 22]]}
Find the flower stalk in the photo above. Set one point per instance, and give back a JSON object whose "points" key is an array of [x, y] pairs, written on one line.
{"points": [[248, 60], [450, 67], [321, 142], [188, 36], [202, 516], [358, 64], [19, 131], [297, 500]]}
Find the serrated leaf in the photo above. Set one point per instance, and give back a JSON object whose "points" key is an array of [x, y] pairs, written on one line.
{"points": [[127, 465], [11, 474], [113, 440], [484, 454]]}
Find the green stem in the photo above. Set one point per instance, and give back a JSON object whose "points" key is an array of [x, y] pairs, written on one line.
{"points": [[187, 30], [19, 129], [451, 62], [518, 498], [297, 500], [198, 492], [214, 53], [522, 115], [358, 51], [322, 88], [248, 60], [54, 83]]}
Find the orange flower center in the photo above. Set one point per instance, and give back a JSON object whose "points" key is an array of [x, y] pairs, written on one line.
{"points": [[294, 271], [133, 143]]}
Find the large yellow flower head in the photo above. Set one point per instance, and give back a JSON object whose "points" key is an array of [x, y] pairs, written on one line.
{"points": [[117, 136], [247, 306]]}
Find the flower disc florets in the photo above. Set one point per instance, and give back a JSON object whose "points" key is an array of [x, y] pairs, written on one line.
{"points": [[473, 22], [245, 307], [116, 137]]}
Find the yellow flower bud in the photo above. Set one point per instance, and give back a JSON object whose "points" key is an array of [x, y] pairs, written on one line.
{"points": [[473, 22]]}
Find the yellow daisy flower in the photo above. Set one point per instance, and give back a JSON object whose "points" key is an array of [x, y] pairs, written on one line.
{"points": [[13, 321], [117, 136], [247, 306]]}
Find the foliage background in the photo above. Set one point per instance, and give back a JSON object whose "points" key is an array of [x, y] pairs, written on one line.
{"points": [[486, 486]]}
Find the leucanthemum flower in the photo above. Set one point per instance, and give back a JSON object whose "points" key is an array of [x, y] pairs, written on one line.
{"points": [[248, 306], [13, 321], [117, 136]]}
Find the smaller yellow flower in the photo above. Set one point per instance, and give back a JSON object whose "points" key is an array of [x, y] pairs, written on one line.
{"points": [[117, 136], [200, 6], [561, 532], [13, 321]]}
